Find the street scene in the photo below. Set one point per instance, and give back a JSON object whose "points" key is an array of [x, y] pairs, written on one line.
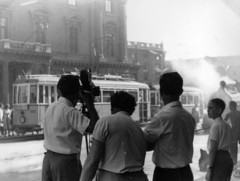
{"points": [[23, 161], [154, 84]]}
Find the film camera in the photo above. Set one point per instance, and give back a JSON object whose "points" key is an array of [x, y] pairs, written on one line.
{"points": [[87, 84]]}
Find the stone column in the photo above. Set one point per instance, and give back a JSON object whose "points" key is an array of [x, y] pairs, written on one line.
{"points": [[5, 83], [122, 30]]}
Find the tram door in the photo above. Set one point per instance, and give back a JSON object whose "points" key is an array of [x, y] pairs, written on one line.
{"points": [[143, 105]]}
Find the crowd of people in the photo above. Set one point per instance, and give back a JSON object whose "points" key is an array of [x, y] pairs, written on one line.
{"points": [[119, 145], [5, 120]]}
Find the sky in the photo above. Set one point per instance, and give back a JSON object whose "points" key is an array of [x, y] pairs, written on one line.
{"points": [[187, 28]]}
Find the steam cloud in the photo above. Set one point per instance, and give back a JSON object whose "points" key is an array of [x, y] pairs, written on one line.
{"points": [[202, 75]]}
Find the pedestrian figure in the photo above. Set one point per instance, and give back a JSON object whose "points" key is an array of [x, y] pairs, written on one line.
{"points": [[222, 94], [195, 114], [220, 163], [1, 120], [234, 116], [172, 131], [7, 120], [119, 147], [64, 126]]}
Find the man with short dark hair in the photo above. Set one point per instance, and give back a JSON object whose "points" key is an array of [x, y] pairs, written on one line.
{"points": [[119, 148], [234, 116], [220, 164], [172, 131], [64, 126]]}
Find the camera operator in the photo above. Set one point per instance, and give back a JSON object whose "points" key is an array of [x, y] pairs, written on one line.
{"points": [[64, 126]]}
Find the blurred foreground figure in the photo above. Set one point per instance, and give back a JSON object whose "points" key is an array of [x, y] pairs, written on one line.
{"points": [[119, 147], [234, 116], [171, 131], [220, 164], [64, 126]]}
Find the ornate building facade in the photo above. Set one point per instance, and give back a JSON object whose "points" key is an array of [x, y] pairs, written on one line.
{"points": [[47, 36]]}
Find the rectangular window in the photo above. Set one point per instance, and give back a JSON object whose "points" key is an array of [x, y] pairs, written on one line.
{"points": [[153, 96], [108, 6], [72, 2], [73, 40], [40, 33], [40, 94], [3, 28], [14, 94], [190, 99], [107, 94], [46, 95], [33, 93], [134, 94], [184, 99], [52, 94], [23, 94], [109, 46]]}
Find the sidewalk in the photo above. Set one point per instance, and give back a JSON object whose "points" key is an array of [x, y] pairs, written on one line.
{"points": [[23, 161]]}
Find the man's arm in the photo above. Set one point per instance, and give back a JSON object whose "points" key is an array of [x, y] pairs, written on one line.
{"points": [[211, 158], [152, 133], [226, 117], [93, 115], [91, 164]]}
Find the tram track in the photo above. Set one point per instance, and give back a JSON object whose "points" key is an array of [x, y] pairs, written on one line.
{"points": [[12, 139]]}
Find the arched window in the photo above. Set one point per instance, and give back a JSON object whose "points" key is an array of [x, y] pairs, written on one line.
{"points": [[74, 28], [40, 24]]}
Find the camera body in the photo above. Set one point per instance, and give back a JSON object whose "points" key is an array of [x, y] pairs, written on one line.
{"points": [[87, 84]]}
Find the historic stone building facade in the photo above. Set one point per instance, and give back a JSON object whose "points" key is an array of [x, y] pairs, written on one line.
{"points": [[150, 57], [46, 36]]}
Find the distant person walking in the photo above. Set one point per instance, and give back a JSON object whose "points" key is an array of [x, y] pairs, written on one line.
{"points": [[220, 163], [195, 114], [1, 120], [172, 132], [234, 116], [7, 120], [222, 94]]}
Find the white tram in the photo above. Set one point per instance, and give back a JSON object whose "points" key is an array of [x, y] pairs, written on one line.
{"points": [[32, 95], [189, 97]]}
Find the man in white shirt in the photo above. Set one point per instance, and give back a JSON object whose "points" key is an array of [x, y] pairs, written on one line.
{"points": [[64, 126], [119, 148], [172, 132]]}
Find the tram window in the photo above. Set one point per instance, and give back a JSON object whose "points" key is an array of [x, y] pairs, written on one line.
{"points": [[107, 94], [52, 94], [134, 94], [184, 99], [196, 99], [158, 98], [15, 94], [40, 94], [23, 94], [190, 99], [153, 95], [46, 94], [97, 99], [33, 93], [144, 95]]}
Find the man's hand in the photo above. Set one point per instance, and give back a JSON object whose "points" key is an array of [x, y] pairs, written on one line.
{"points": [[208, 175], [87, 97]]}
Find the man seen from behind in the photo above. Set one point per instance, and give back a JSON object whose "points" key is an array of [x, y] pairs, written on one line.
{"points": [[64, 126], [172, 132], [119, 147]]}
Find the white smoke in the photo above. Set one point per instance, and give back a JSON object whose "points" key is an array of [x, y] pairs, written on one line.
{"points": [[200, 74]]}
